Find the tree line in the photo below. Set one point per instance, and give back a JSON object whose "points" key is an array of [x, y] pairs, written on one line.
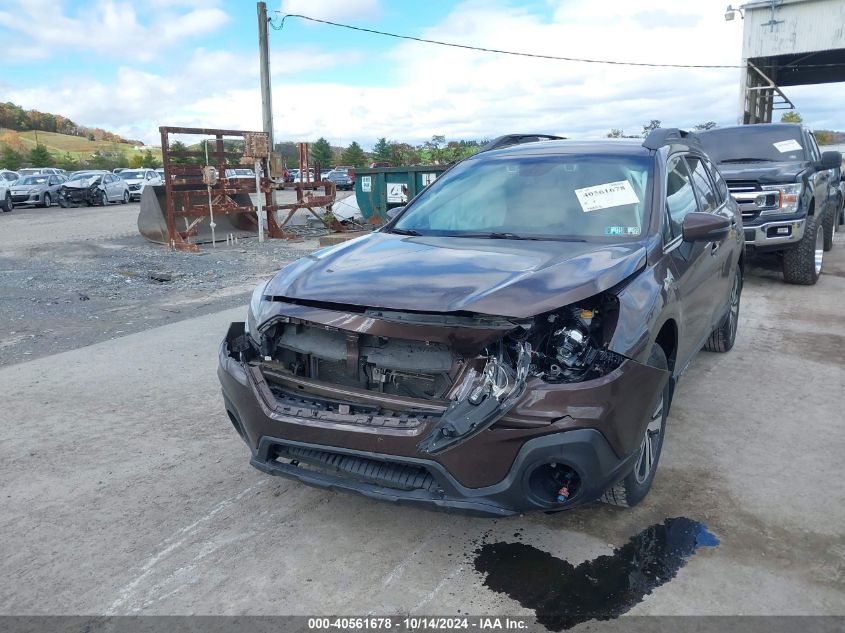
{"points": [[14, 117]]}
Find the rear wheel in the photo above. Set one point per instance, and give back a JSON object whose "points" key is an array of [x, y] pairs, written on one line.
{"points": [[723, 337], [125, 198], [8, 205], [48, 201], [828, 229], [636, 484], [802, 264]]}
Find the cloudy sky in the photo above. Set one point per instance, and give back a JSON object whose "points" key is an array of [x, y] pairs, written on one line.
{"points": [[132, 66]]}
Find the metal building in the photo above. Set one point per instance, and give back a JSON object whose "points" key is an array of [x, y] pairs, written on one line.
{"points": [[787, 43]]}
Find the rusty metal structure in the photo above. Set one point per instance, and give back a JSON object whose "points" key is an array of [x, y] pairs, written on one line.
{"points": [[201, 204]]}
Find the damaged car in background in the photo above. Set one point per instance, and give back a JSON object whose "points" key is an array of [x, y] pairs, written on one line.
{"points": [[93, 188], [509, 341]]}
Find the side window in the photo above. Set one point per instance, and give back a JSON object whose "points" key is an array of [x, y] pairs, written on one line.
{"points": [[814, 147], [680, 198], [108, 178], [707, 200]]}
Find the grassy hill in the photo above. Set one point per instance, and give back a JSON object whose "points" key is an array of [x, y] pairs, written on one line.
{"points": [[78, 146]]}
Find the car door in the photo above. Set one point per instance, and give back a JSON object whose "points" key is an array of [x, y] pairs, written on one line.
{"points": [[694, 265]]}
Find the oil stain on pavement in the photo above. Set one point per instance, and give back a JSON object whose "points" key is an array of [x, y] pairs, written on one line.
{"points": [[563, 595]]}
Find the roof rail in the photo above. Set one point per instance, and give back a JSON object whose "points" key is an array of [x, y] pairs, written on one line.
{"points": [[517, 139], [661, 136]]}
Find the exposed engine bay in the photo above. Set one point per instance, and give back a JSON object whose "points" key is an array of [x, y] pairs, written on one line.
{"points": [[565, 346]]}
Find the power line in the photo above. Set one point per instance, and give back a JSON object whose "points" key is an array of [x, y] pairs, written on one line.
{"points": [[522, 54]]}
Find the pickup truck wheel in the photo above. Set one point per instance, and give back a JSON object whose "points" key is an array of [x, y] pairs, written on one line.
{"points": [[828, 226], [636, 484], [723, 337], [8, 205], [802, 264]]}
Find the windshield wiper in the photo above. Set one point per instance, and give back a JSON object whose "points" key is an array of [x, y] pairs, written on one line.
{"points": [[405, 232], [748, 160], [506, 235]]}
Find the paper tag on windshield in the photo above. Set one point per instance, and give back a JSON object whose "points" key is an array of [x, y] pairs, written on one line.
{"points": [[612, 194], [788, 146]]}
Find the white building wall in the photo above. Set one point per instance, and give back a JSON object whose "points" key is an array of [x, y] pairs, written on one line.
{"points": [[808, 26]]}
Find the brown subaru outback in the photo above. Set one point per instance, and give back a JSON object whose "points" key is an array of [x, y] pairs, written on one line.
{"points": [[509, 341]]}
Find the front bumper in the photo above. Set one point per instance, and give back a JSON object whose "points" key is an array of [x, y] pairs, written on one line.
{"points": [[591, 428], [774, 234], [22, 199]]}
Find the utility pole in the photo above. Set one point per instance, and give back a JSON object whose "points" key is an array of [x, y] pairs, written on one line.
{"points": [[264, 54]]}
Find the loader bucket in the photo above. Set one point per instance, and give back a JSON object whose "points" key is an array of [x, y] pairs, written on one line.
{"points": [[152, 219]]}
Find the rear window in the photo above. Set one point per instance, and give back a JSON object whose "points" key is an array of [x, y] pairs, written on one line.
{"points": [[754, 143]]}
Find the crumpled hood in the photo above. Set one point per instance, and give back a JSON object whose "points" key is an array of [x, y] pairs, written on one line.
{"points": [[82, 183], [765, 173], [448, 274]]}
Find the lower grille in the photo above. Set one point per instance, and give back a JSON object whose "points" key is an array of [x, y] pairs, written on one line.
{"points": [[372, 471]]}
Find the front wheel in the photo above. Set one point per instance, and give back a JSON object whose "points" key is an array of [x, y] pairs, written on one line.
{"points": [[125, 198], [723, 337], [802, 264], [48, 201], [636, 484], [103, 199], [8, 205]]}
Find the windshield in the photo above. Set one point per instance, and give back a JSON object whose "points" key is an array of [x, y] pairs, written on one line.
{"points": [[33, 180], [777, 144], [570, 196], [130, 175], [26, 172]]}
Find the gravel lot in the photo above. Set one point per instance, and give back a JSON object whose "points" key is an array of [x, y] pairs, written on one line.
{"points": [[72, 277], [125, 489]]}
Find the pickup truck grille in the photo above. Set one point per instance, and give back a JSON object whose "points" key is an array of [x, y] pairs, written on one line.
{"points": [[745, 192]]}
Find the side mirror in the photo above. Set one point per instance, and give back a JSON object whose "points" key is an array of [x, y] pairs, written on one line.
{"points": [[704, 227], [392, 213], [830, 160]]}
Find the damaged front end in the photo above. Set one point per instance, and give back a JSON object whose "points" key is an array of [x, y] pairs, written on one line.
{"points": [[377, 398], [75, 193]]}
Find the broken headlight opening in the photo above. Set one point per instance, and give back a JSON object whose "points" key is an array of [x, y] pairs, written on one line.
{"points": [[565, 346], [256, 303]]}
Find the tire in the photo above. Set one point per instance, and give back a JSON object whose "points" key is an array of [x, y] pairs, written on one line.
{"points": [[723, 337], [636, 484], [8, 205], [802, 263], [828, 227], [103, 199], [48, 201], [125, 198]]}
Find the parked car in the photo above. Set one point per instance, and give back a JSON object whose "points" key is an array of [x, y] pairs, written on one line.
{"points": [[34, 171], [785, 188], [509, 341], [137, 179], [39, 190], [6, 179], [93, 188], [293, 174], [340, 179], [299, 176], [248, 174], [160, 172]]}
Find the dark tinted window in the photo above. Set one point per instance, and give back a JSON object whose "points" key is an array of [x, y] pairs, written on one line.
{"points": [[707, 200], [753, 142], [680, 198]]}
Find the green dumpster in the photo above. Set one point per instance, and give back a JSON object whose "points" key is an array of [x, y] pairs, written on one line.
{"points": [[381, 188]]}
